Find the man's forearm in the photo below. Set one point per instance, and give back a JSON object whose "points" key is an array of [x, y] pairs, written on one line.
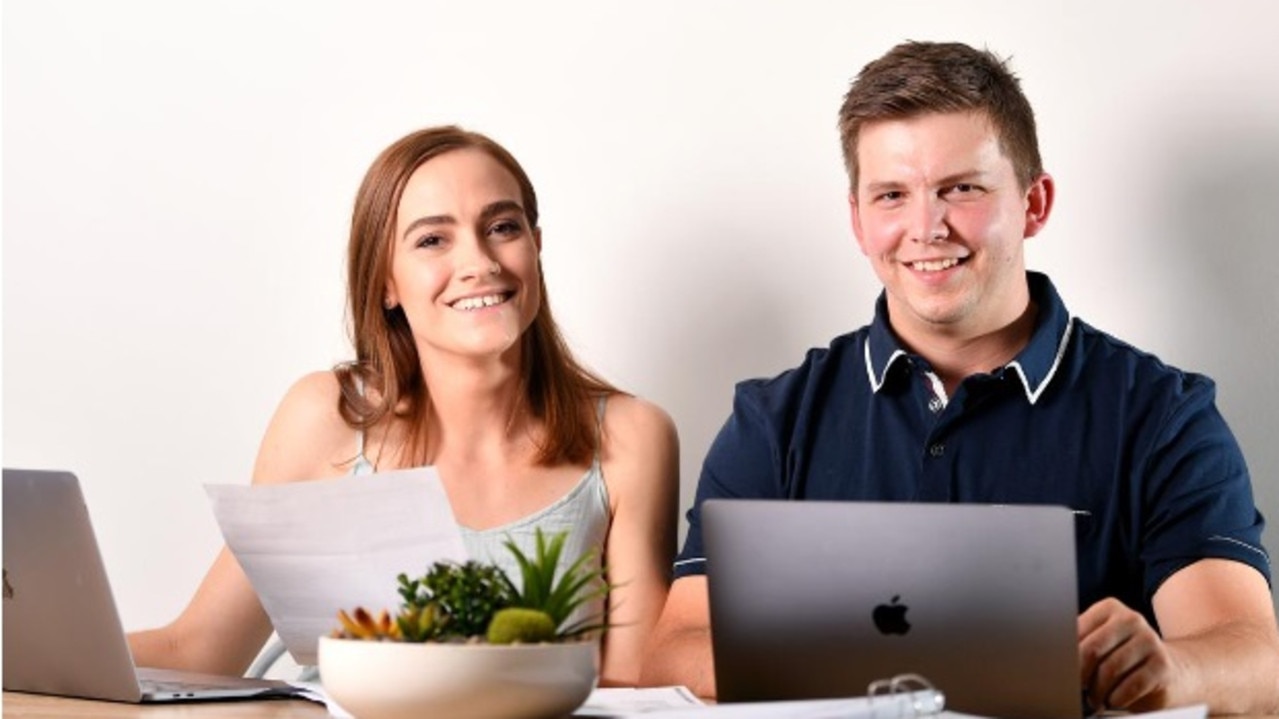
{"points": [[681, 657], [1233, 668]]}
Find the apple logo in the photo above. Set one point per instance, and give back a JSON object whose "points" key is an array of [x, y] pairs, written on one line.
{"points": [[891, 618]]}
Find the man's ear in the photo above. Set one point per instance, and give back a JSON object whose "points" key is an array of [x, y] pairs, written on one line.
{"points": [[1039, 204], [855, 216]]}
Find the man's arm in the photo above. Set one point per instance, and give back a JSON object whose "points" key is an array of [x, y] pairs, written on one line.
{"points": [[679, 650], [1219, 646]]}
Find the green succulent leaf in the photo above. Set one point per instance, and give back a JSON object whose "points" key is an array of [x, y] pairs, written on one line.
{"points": [[558, 598]]}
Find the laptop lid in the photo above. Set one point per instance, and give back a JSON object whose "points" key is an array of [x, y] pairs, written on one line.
{"points": [[818, 599], [62, 634]]}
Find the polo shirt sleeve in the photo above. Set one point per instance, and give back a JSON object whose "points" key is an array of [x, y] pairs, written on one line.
{"points": [[743, 462], [1198, 496]]}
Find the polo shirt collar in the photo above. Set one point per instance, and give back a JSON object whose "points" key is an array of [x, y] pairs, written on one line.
{"points": [[1035, 365]]}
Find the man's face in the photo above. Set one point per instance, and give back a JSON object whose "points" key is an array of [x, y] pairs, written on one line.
{"points": [[940, 214]]}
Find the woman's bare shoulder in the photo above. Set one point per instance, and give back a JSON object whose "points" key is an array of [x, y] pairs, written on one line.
{"points": [[636, 417], [637, 431], [307, 437]]}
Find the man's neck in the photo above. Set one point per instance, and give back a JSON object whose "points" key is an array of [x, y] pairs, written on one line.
{"points": [[955, 356]]}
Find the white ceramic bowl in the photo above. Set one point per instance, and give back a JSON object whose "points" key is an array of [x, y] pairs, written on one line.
{"points": [[394, 680]]}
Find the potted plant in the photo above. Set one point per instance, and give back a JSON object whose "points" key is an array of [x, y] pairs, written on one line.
{"points": [[468, 641]]}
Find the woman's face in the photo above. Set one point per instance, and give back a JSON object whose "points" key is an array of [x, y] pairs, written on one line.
{"points": [[464, 261]]}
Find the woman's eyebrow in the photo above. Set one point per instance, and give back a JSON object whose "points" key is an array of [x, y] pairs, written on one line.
{"points": [[431, 220], [499, 207], [490, 211]]}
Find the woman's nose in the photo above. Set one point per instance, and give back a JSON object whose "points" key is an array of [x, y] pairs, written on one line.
{"points": [[475, 261]]}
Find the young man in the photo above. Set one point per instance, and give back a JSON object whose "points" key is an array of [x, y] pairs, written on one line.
{"points": [[975, 384]]}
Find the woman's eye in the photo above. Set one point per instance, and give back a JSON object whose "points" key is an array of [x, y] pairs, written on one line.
{"points": [[505, 228], [427, 241]]}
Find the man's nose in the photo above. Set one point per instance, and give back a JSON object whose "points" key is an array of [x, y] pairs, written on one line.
{"points": [[929, 220]]}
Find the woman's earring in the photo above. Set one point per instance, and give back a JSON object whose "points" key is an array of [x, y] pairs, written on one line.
{"points": [[388, 303]]}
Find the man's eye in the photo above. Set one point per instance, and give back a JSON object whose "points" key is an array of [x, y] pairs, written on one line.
{"points": [[963, 188], [890, 196]]}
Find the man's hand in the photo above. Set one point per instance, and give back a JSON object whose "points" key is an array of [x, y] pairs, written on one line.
{"points": [[1219, 645], [1124, 664]]}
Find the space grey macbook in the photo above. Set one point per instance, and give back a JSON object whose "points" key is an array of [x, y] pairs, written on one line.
{"points": [[819, 599], [62, 634]]}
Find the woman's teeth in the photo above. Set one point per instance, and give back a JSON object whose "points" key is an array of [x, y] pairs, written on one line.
{"points": [[475, 303]]}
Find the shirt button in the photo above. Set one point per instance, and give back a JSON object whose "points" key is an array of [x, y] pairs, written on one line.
{"points": [[937, 450], [935, 405]]}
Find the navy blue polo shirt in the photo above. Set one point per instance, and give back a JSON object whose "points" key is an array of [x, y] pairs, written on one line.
{"points": [[1078, 418]]}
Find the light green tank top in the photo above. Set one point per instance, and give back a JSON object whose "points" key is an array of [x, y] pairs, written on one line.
{"points": [[584, 512]]}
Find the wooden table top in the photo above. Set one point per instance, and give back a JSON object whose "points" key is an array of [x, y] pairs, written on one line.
{"points": [[19, 705]]}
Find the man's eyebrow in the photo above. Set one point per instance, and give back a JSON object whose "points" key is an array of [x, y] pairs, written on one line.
{"points": [[874, 188], [961, 177]]}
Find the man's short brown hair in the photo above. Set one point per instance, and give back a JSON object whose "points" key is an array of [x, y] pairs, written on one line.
{"points": [[921, 78]]}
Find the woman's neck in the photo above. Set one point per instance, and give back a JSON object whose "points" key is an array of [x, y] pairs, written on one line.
{"points": [[476, 411]]}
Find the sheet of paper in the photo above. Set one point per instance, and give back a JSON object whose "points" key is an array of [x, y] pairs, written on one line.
{"points": [[624, 702], [903, 705], [312, 548]]}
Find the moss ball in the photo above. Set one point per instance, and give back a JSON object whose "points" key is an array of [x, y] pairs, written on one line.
{"points": [[519, 624]]}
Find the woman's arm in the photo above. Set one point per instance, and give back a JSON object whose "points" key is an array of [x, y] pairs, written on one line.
{"points": [[224, 626], [641, 468]]}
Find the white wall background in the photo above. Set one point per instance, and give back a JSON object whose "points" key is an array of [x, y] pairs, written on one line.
{"points": [[178, 178]]}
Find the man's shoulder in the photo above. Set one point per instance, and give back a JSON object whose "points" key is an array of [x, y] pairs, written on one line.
{"points": [[840, 361], [1102, 354]]}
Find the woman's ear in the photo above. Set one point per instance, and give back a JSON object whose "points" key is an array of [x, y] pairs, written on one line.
{"points": [[392, 299], [537, 239]]}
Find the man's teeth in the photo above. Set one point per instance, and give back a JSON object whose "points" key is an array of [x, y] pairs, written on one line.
{"points": [[934, 265], [475, 303]]}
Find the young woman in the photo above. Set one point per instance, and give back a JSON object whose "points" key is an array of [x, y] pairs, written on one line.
{"points": [[459, 364]]}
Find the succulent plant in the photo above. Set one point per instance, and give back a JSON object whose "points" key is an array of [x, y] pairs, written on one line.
{"points": [[457, 600], [359, 624], [558, 598], [460, 602]]}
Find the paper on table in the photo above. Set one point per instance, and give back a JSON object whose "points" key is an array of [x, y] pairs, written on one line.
{"points": [[312, 548], [923, 704], [625, 702]]}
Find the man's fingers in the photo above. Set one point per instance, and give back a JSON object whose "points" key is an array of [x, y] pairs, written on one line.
{"points": [[1122, 662]]}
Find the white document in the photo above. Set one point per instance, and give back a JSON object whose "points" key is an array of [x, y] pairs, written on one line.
{"points": [[922, 704], [625, 702], [312, 548]]}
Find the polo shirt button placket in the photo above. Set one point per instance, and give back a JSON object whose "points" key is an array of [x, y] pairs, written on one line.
{"points": [[935, 405]]}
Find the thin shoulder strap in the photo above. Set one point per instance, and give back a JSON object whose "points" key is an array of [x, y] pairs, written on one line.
{"points": [[599, 425], [359, 433]]}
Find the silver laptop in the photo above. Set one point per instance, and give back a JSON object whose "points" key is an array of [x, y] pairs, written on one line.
{"points": [[819, 599], [62, 634]]}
